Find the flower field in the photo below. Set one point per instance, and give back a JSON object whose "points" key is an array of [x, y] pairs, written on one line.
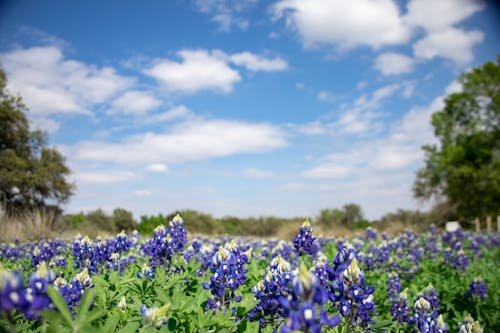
{"points": [[431, 282]]}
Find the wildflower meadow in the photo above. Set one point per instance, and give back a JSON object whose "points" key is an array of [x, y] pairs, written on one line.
{"points": [[175, 282]]}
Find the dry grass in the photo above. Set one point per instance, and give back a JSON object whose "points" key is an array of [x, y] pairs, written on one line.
{"points": [[42, 224], [30, 226]]}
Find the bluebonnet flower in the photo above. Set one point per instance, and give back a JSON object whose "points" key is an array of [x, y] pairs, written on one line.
{"points": [[45, 251], [276, 284], [322, 270], [30, 299], [477, 290], [146, 272], [155, 316], [469, 325], [134, 238], [393, 285], [370, 233], [356, 299], [400, 310], [431, 295], [74, 290], [284, 249], [178, 233], [304, 306], [304, 242], [426, 318], [228, 268], [127, 261], [121, 243], [12, 291], [166, 242], [83, 254]]}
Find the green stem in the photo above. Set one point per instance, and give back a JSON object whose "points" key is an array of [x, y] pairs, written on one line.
{"points": [[11, 323], [478, 313], [347, 326]]}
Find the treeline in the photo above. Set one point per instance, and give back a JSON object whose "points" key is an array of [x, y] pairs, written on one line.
{"points": [[336, 221]]}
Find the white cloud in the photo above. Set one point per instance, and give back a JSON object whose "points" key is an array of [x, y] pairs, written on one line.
{"points": [[105, 177], [440, 15], [360, 119], [373, 102], [189, 141], [396, 157], [45, 124], [294, 187], [157, 167], [438, 19], [257, 173], [198, 70], [135, 102], [176, 112], [391, 63], [344, 23], [51, 84], [452, 43], [325, 96], [356, 121], [312, 128], [226, 13], [142, 193], [408, 89], [256, 63], [328, 171]]}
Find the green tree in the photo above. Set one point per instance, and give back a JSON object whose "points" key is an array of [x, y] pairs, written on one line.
{"points": [[100, 220], [123, 220], [330, 217], [32, 175], [352, 214], [464, 168]]}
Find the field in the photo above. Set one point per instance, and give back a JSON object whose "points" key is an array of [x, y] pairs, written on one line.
{"points": [[172, 282]]}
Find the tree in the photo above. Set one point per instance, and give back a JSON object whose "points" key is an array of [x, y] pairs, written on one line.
{"points": [[32, 175], [330, 217], [352, 214], [123, 220], [101, 221], [464, 168]]}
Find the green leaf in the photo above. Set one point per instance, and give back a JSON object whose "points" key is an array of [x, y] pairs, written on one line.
{"points": [[93, 316], [130, 328], [162, 295], [60, 304], [111, 324], [382, 325], [84, 307]]}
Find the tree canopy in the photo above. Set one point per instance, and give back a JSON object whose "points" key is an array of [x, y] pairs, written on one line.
{"points": [[32, 175], [464, 167]]}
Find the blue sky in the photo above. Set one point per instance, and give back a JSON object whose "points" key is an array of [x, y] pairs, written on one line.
{"points": [[243, 108]]}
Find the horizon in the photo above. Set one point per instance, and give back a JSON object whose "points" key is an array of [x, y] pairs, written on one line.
{"points": [[243, 109]]}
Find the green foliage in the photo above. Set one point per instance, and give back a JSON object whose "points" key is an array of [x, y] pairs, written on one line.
{"points": [[123, 220], [76, 220], [149, 223], [349, 216], [465, 167], [330, 217], [101, 220], [32, 175]]}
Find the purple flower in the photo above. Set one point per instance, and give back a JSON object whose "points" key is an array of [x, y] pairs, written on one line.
{"points": [[228, 268], [477, 290], [304, 306], [304, 242]]}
